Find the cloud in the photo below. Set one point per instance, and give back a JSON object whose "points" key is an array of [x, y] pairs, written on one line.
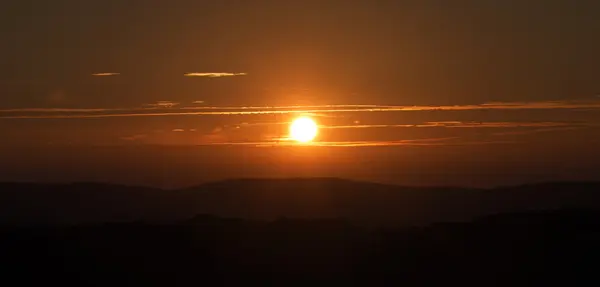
{"points": [[162, 104], [105, 74], [172, 109], [214, 137], [457, 124], [427, 141], [498, 124], [297, 108], [405, 143], [365, 126], [445, 124], [198, 102], [534, 131], [178, 130], [134, 137], [283, 142], [518, 105], [57, 110], [213, 75], [249, 124]]}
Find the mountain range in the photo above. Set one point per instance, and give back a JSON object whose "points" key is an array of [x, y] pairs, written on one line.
{"points": [[269, 199]]}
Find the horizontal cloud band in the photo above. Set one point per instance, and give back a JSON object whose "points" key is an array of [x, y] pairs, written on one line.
{"points": [[172, 109]]}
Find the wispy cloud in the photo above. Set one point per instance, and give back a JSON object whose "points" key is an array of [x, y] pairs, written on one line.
{"points": [[213, 75], [105, 74], [364, 126], [292, 107], [446, 124], [162, 104], [415, 142], [426, 141], [172, 109], [499, 124], [59, 110], [134, 137], [178, 130], [521, 105], [405, 143], [535, 131]]}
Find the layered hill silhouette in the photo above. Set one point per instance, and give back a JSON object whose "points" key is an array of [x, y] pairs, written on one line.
{"points": [[535, 248], [268, 199]]}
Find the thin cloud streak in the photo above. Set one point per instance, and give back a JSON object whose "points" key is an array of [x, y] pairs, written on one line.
{"points": [[427, 140], [404, 143], [315, 110], [214, 75], [134, 137], [424, 142], [450, 124], [323, 109], [59, 110], [162, 104], [286, 141], [535, 131], [499, 124], [365, 126], [105, 74]]}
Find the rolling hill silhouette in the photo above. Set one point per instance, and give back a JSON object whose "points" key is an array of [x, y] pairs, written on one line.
{"points": [[268, 199]]}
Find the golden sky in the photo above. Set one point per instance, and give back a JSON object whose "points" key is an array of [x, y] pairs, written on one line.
{"points": [[441, 79]]}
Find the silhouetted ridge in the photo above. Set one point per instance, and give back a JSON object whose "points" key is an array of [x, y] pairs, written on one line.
{"points": [[328, 182], [520, 249], [267, 199]]}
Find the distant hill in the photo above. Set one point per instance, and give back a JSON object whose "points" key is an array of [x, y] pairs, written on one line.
{"points": [[268, 199]]}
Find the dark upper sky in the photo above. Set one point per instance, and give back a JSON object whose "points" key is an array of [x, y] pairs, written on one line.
{"points": [[432, 54], [393, 52]]}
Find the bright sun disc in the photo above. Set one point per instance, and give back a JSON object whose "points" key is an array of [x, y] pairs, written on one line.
{"points": [[303, 129]]}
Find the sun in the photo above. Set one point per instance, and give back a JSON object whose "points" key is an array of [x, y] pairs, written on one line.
{"points": [[303, 129]]}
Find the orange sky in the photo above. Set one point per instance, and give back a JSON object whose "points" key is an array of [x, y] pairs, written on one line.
{"points": [[410, 89]]}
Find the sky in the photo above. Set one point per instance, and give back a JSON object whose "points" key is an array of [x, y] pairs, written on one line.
{"points": [[175, 93]]}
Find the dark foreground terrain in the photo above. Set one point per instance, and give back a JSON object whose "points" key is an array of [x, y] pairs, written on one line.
{"points": [[276, 232], [522, 249], [268, 199]]}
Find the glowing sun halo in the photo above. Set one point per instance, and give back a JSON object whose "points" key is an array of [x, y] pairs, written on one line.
{"points": [[303, 129]]}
